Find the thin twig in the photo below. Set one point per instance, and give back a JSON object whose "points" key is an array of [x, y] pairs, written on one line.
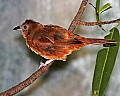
{"points": [[78, 16], [77, 19], [27, 82], [97, 14], [98, 23]]}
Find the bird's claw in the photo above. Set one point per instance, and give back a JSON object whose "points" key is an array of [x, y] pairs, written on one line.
{"points": [[46, 63]]}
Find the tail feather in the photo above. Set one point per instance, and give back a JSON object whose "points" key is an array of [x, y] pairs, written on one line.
{"points": [[105, 42], [95, 41]]}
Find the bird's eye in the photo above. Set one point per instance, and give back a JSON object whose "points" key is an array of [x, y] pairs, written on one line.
{"points": [[25, 26]]}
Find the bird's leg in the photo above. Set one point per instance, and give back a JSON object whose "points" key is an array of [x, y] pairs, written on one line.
{"points": [[46, 63]]}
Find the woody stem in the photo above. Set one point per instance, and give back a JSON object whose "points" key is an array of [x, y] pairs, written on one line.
{"points": [[78, 16], [98, 23]]}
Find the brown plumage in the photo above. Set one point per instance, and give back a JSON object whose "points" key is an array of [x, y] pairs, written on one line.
{"points": [[54, 42]]}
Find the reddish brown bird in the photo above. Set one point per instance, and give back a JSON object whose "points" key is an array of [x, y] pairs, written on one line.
{"points": [[54, 42]]}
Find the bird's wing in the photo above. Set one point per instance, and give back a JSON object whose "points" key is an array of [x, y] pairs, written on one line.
{"points": [[55, 42], [57, 34]]}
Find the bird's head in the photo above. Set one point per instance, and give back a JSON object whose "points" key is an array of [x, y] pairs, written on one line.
{"points": [[28, 26]]}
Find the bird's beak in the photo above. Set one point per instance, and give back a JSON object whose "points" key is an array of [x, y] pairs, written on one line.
{"points": [[16, 28]]}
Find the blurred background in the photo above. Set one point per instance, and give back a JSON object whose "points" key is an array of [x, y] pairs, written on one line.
{"points": [[70, 78]]}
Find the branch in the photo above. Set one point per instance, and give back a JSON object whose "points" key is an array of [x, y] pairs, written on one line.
{"points": [[77, 19], [27, 82], [78, 16], [98, 23]]}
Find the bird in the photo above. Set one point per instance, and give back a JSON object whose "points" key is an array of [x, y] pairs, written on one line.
{"points": [[54, 42]]}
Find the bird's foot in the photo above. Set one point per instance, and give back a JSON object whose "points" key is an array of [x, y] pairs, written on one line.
{"points": [[46, 63]]}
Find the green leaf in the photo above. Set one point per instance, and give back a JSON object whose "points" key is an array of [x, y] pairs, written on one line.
{"points": [[98, 4], [98, 12], [105, 7], [101, 10], [104, 65], [98, 9]]}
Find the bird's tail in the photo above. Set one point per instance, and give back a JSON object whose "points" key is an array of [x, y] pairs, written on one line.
{"points": [[105, 42]]}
